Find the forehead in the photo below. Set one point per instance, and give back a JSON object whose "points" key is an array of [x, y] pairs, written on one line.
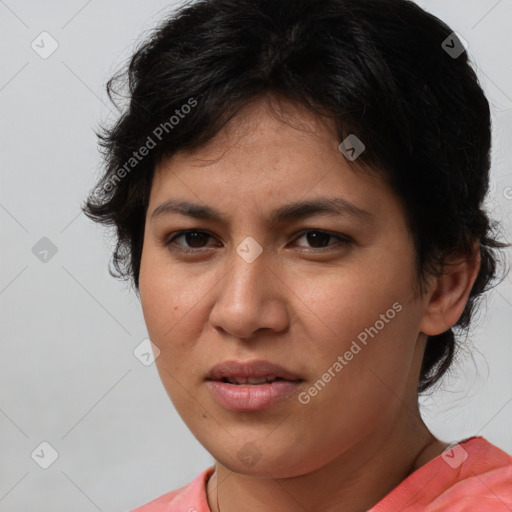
{"points": [[267, 155], [267, 126]]}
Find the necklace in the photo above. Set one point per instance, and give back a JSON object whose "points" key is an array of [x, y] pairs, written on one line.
{"points": [[217, 489], [218, 508]]}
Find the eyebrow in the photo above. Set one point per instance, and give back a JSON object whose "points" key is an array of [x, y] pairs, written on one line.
{"points": [[293, 211]]}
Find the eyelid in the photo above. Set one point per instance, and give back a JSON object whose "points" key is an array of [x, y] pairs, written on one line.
{"points": [[168, 240], [340, 236], [342, 239]]}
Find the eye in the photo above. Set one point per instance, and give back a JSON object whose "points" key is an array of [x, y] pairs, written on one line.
{"points": [[195, 240], [321, 238]]}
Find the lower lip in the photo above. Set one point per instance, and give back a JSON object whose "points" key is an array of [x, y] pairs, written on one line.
{"points": [[245, 398]]}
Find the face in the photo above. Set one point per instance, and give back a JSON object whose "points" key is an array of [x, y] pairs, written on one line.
{"points": [[327, 296]]}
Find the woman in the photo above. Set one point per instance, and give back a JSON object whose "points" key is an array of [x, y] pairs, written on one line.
{"points": [[297, 190]]}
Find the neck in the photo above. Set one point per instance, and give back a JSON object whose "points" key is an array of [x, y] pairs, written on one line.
{"points": [[353, 481]]}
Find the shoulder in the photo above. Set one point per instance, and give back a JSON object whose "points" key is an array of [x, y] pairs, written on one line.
{"points": [[482, 480], [473, 475], [189, 498]]}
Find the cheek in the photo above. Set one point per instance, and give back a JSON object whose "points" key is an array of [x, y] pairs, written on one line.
{"points": [[166, 318], [174, 316], [366, 316], [167, 296], [338, 305]]}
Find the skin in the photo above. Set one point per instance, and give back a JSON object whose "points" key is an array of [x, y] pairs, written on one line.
{"points": [[299, 305]]}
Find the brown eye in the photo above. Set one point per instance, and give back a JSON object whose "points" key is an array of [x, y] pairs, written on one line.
{"points": [[320, 239], [193, 240]]}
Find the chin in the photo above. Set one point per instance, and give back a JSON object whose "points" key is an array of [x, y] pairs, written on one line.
{"points": [[251, 460]]}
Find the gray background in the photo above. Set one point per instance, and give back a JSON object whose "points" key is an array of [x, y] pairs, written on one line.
{"points": [[68, 373]]}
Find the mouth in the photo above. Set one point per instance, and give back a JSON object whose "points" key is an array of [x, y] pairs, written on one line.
{"points": [[251, 386], [250, 372], [250, 381]]}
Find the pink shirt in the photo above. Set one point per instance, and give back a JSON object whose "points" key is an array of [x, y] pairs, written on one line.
{"points": [[473, 476]]}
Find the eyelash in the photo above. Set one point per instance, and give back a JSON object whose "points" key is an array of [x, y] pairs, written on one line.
{"points": [[169, 241]]}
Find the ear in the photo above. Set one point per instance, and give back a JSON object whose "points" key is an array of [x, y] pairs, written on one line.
{"points": [[449, 293]]}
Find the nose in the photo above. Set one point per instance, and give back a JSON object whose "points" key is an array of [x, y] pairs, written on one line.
{"points": [[250, 297]]}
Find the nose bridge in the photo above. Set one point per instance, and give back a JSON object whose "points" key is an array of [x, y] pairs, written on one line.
{"points": [[248, 269], [247, 299]]}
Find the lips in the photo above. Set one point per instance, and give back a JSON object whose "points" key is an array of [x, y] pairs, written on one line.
{"points": [[251, 386], [254, 381], [252, 372]]}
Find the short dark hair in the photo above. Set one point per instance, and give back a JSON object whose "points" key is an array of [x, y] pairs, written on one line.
{"points": [[379, 69]]}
